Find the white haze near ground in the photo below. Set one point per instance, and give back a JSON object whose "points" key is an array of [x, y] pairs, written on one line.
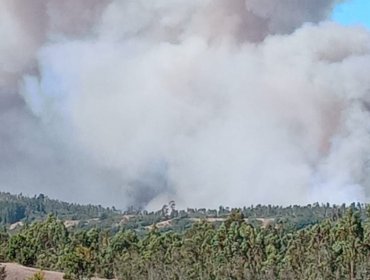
{"points": [[206, 102]]}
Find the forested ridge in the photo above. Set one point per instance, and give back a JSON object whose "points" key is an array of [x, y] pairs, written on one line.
{"points": [[310, 242], [15, 208], [24, 209]]}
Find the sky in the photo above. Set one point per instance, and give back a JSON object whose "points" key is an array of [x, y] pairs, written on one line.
{"points": [[353, 12]]}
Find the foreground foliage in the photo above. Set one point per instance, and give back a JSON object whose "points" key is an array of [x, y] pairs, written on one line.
{"points": [[335, 248]]}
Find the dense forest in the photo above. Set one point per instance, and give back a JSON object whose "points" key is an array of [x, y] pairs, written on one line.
{"points": [[259, 242], [15, 208], [331, 249]]}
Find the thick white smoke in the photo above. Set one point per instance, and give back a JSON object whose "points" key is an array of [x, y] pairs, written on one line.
{"points": [[206, 102]]}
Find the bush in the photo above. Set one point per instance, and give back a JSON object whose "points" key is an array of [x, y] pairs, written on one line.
{"points": [[38, 276]]}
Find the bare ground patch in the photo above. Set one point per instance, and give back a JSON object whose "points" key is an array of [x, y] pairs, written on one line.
{"points": [[19, 272]]}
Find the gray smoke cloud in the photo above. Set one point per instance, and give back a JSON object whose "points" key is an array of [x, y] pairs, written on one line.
{"points": [[206, 102]]}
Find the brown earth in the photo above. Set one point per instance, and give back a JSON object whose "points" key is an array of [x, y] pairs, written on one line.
{"points": [[265, 222], [19, 272]]}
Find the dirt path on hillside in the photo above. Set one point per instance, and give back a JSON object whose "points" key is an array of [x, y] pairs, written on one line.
{"points": [[19, 272]]}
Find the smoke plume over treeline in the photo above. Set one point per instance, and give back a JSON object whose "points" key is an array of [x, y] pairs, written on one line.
{"points": [[206, 102]]}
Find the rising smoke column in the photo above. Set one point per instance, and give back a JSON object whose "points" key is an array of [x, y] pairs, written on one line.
{"points": [[206, 102]]}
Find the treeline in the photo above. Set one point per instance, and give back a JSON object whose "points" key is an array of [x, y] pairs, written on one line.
{"points": [[20, 208], [335, 248], [15, 208], [294, 216]]}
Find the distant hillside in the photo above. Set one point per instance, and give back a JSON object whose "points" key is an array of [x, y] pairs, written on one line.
{"points": [[15, 208]]}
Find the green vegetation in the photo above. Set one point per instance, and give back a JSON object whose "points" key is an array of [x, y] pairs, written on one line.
{"points": [[19, 210], [38, 276], [15, 208], [332, 243]]}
